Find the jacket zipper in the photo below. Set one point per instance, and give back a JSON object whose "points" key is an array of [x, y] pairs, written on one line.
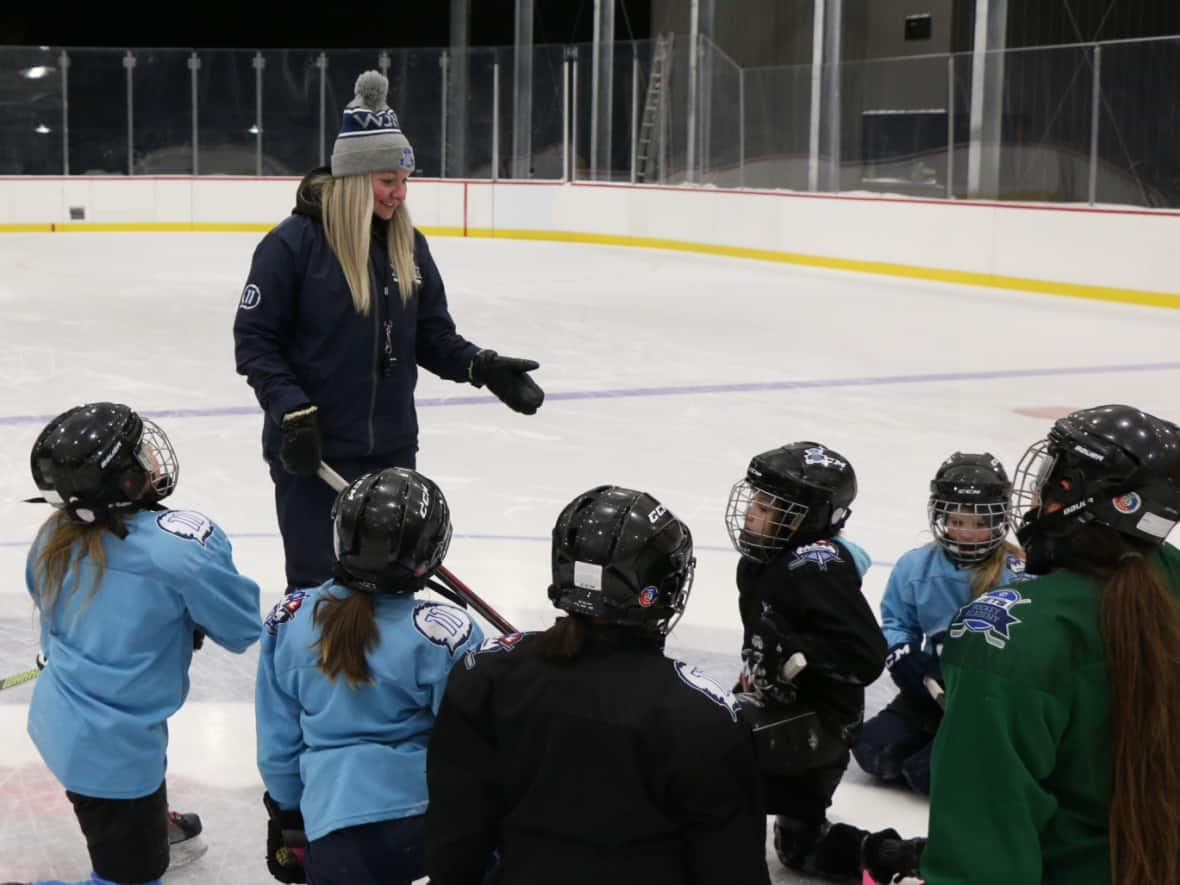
{"points": [[377, 312]]}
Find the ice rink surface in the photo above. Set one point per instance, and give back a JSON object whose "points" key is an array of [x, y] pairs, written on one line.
{"points": [[663, 371]]}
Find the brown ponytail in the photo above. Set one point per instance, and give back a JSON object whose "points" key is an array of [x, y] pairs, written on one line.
{"points": [[1141, 640], [66, 544], [348, 629], [563, 641]]}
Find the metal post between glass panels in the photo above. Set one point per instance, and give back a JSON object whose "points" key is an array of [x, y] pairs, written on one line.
{"points": [[574, 120], [495, 121], [63, 62], [443, 60], [634, 109], [194, 65], [741, 127], [129, 67], [565, 118], [321, 62], [950, 126], [1095, 119], [259, 64]]}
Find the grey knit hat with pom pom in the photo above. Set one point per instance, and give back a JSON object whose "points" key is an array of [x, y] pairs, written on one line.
{"points": [[370, 139]]}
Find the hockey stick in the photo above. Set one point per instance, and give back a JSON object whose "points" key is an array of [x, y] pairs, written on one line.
{"points": [[466, 596], [937, 692], [792, 667], [25, 676]]}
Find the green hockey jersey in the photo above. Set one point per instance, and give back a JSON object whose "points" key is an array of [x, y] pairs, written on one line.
{"points": [[1021, 767]]}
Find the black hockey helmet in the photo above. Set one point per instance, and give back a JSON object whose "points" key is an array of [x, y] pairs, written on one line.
{"points": [[390, 531], [970, 495], [797, 492], [1111, 465], [619, 554], [100, 457]]}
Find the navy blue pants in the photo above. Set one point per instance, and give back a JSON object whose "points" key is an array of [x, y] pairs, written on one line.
{"points": [[127, 838], [388, 852], [895, 744], [304, 507]]}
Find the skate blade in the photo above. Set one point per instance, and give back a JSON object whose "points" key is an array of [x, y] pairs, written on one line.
{"points": [[181, 854]]}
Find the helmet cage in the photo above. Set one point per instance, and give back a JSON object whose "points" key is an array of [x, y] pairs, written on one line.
{"points": [[950, 516], [776, 519]]}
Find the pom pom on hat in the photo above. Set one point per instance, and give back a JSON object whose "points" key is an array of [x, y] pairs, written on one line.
{"points": [[371, 89], [370, 138]]}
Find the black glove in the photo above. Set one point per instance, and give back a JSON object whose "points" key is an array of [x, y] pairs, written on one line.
{"points": [[507, 377], [302, 449], [886, 856], [285, 842], [771, 646], [909, 665]]}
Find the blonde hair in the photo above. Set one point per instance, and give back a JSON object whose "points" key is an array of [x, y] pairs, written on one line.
{"points": [[986, 575], [66, 544], [348, 225]]}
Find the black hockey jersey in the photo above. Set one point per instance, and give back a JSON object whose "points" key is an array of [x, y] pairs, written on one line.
{"points": [[622, 766], [814, 588]]}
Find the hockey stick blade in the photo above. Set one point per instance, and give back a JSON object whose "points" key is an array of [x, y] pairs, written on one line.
{"points": [[447, 577]]}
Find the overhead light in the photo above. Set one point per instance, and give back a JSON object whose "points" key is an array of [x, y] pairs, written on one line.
{"points": [[36, 72], [253, 130], [42, 129]]}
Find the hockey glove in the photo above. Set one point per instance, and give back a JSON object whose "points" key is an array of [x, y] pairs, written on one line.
{"points": [[302, 448], [909, 665], [886, 856], [285, 842], [771, 647], [507, 377]]}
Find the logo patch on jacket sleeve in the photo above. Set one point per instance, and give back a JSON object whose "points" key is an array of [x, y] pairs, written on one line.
{"points": [[443, 625], [284, 611], [696, 679], [491, 646], [251, 297], [818, 554], [991, 615], [187, 524]]}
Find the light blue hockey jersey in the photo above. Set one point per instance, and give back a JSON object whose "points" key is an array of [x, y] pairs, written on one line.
{"points": [[926, 590], [349, 756], [119, 658]]}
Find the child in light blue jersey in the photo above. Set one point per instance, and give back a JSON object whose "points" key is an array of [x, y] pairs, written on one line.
{"points": [[968, 514], [126, 590], [350, 679]]}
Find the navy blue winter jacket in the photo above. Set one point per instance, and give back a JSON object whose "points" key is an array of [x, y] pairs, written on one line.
{"points": [[299, 340]]}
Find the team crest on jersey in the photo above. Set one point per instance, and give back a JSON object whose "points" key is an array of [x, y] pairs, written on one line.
{"points": [[284, 611], [696, 679], [443, 625], [991, 615], [819, 554], [494, 645], [187, 524]]}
